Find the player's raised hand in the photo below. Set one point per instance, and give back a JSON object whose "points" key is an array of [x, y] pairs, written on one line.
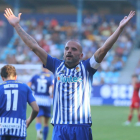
{"points": [[126, 19], [12, 19]]}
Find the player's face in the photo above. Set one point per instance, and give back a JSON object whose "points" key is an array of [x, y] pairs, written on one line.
{"points": [[134, 79], [72, 53]]}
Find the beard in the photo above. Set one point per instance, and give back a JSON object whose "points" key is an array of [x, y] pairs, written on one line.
{"points": [[71, 60]]}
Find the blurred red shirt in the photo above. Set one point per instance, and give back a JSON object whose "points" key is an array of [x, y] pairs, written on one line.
{"points": [[135, 96]]}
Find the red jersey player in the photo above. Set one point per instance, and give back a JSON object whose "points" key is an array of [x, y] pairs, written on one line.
{"points": [[135, 104]]}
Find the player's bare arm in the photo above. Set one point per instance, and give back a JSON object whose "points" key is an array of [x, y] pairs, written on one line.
{"points": [[28, 40], [101, 52], [35, 110]]}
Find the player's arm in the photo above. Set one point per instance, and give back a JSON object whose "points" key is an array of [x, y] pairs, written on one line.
{"points": [[35, 110], [101, 52], [28, 40]]}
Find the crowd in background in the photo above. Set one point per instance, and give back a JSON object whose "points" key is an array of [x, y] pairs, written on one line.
{"points": [[52, 36]]}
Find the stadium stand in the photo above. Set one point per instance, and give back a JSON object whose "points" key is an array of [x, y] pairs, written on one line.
{"points": [[51, 32]]}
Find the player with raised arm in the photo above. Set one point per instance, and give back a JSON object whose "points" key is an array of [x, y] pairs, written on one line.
{"points": [[135, 101], [73, 80], [42, 84], [14, 96]]}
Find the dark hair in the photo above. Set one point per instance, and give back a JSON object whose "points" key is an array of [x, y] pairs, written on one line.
{"points": [[135, 75], [7, 71]]}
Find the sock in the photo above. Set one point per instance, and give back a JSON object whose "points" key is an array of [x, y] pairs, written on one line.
{"points": [[130, 118], [45, 132], [139, 117], [38, 126]]}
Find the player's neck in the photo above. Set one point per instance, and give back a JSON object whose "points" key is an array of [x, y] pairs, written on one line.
{"points": [[9, 78], [70, 65]]}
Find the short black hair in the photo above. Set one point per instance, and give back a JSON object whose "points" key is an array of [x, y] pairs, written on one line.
{"points": [[7, 71]]}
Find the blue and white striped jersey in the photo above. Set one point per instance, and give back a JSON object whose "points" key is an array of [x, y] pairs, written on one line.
{"points": [[41, 84], [13, 103], [72, 88]]}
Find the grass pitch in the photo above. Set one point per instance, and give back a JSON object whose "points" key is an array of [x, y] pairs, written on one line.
{"points": [[107, 124]]}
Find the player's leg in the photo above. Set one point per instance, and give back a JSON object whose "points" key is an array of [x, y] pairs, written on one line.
{"points": [[47, 115], [138, 112], [129, 116], [46, 127], [39, 128], [38, 123]]}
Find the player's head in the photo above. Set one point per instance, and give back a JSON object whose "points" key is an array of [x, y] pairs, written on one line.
{"points": [[135, 77], [8, 72], [44, 69], [72, 53]]}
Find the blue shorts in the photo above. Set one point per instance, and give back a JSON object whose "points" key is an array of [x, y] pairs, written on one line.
{"points": [[11, 138], [72, 132], [44, 111]]}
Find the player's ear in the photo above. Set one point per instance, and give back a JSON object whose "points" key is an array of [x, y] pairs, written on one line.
{"points": [[16, 77], [3, 78], [81, 56]]}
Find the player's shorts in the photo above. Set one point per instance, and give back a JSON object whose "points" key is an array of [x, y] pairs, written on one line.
{"points": [[72, 132], [11, 138], [135, 104], [44, 111]]}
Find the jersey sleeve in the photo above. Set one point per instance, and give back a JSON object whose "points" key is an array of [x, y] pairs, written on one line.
{"points": [[93, 63], [88, 66], [30, 97], [51, 63]]}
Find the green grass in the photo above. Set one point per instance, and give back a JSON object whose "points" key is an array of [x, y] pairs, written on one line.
{"points": [[107, 124]]}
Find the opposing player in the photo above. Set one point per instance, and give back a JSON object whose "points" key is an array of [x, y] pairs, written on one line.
{"points": [[73, 79], [14, 96], [43, 88], [135, 103]]}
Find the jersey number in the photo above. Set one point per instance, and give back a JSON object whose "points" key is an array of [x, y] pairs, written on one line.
{"points": [[42, 85], [15, 99]]}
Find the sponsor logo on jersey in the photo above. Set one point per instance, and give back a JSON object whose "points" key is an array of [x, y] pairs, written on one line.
{"points": [[77, 69], [69, 79]]}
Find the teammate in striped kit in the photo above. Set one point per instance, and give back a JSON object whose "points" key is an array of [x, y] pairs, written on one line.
{"points": [[43, 86], [72, 84], [14, 96]]}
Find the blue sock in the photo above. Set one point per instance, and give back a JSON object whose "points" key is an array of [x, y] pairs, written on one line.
{"points": [[45, 132], [38, 126]]}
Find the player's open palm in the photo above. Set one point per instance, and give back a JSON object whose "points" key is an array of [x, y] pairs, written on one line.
{"points": [[12, 19], [126, 19]]}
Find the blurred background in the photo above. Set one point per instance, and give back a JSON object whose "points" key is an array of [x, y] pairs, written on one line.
{"points": [[52, 23]]}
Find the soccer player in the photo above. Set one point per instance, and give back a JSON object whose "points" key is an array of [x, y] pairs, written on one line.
{"points": [[73, 80], [43, 87], [135, 103], [14, 96]]}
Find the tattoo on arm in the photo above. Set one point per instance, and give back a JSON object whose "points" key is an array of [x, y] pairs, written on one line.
{"points": [[20, 31], [96, 58], [99, 56]]}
